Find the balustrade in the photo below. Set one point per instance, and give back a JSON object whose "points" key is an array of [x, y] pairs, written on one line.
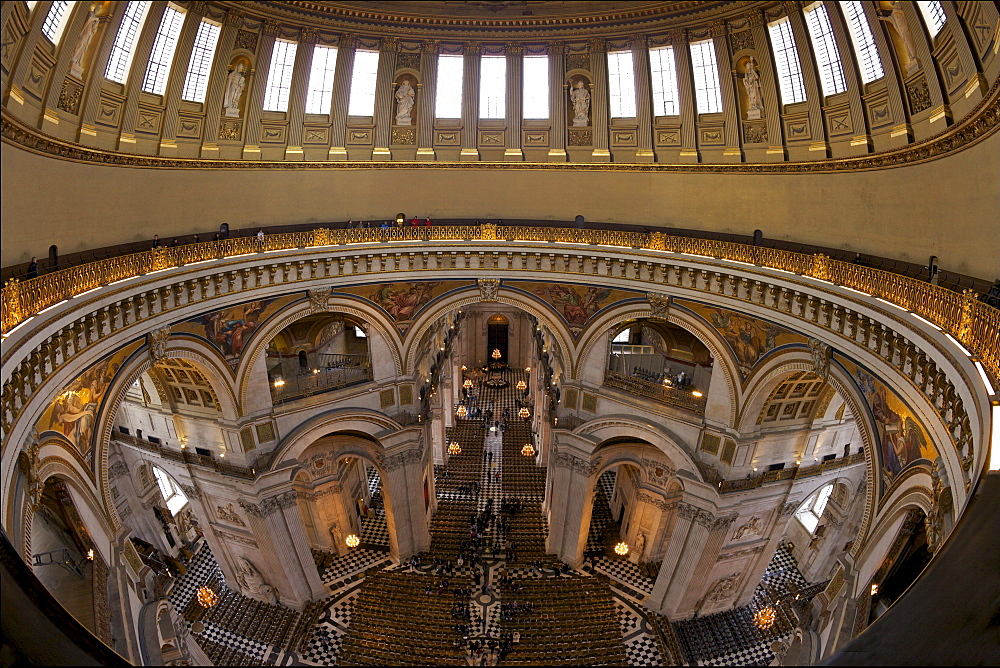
{"points": [[794, 473]]}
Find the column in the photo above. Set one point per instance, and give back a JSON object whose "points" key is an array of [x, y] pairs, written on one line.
{"points": [[859, 126], [922, 47], [730, 110], [677, 543], [818, 148], [14, 99], [178, 72], [384, 97], [768, 85], [143, 47], [403, 487], [426, 92], [470, 101], [515, 101], [685, 90], [557, 102], [643, 100], [297, 93], [255, 100], [217, 83], [570, 506], [901, 132], [50, 115], [341, 96], [599, 112]]}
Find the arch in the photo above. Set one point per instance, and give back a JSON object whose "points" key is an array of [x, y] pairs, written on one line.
{"points": [[361, 420], [337, 303], [87, 503]]}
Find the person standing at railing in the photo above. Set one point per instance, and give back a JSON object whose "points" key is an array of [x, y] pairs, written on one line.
{"points": [[260, 241], [33, 268], [156, 241]]}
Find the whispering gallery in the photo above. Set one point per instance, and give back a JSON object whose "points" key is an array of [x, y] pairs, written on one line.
{"points": [[500, 333]]}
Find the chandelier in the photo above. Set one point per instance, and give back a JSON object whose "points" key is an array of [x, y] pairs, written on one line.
{"points": [[462, 411], [528, 450], [524, 412], [496, 354], [206, 597], [521, 385], [454, 448], [467, 384], [621, 549], [352, 541], [764, 618]]}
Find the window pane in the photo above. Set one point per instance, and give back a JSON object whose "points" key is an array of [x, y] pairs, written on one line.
{"points": [[706, 77], [321, 80], [933, 16], [536, 87], [449, 87], [621, 84], [493, 87], [786, 60], [200, 67], [162, 55], [362, 102], [864, 44], [55, 20], [279, 78], [661, 65], [831, 73], [124, 47]]}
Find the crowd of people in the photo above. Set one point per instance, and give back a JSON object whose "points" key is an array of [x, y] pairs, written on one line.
{"points": [[666, 377]]}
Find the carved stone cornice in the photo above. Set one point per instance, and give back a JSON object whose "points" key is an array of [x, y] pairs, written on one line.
{"points": [[235, 538], [400, 459], [269, 505]]}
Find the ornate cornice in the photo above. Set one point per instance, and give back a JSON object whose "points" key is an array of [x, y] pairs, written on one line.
{"points": [[979, 124]]}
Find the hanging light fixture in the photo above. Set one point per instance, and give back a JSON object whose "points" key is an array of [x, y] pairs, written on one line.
{"points": [[206, 597], [352, 541], [496, 354], [454, 448], [462, 411], [874, 589], [621, 549], [528, 450], [764, 618], [524, 412], [467, 384], [521, 385]]}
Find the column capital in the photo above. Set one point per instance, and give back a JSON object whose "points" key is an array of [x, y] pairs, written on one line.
{"points": [[198, 7], [638, 41], [597, 45], [556, 48], [791, 6], [514, 48], [717, 28], [389, 44], [271, 28], [755, 18], [677, 36], [348, 41], [471, 48], [307, 36], [430, 46], [234, 17]]}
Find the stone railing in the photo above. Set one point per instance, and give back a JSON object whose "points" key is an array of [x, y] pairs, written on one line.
{"points": [[794, 473], [185, 456], [644, 388], [323, 380], [972, 323]]}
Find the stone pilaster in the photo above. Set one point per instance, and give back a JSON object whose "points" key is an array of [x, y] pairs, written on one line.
{"points": [[939, 110], [92, 94], [403, 476], [217, 83], [570, 504], [643, 100], [297, 93], [685, 90], [426, 93], [558, 91], [515, 101], [384, 97], [50, 113], [178, 72], [962, 102], [599, 111], [14, 99], [143, 48], [901, 133], [341, 96], [860, 139], [730, 110], [255, 100], [768, 85], [470, 101], [818, 146]]}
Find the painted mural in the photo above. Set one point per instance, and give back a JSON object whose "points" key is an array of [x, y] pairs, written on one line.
{"points": [[403, 301], [902, 439], [72, 414], [750, 339], [230, 329], [577, 304]]}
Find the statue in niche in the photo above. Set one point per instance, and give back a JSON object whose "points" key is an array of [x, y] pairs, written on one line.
{"points": [[234, 90], [640, 546], [86, 35], [405, 94], [252, 582], [581, 104], [755, 102], [897, 17]]}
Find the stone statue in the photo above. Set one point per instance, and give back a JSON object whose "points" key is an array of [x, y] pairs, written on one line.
{"points": [[404, 102], [252, 582], [86, 35], [897, 17], [234, 90], [751, 528], [755, 103], [723, 588], [640, 546], [581, 104]]}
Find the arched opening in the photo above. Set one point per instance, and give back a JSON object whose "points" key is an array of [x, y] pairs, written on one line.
{"points": [[497, 333], [905, 561], [318, 353]]}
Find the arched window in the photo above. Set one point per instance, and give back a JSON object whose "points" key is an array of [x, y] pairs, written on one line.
{"points": [[813, 509], [171, 491], [56, 20]]}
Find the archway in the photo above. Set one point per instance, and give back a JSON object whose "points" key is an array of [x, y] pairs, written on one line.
{"points": [[497, 335]]}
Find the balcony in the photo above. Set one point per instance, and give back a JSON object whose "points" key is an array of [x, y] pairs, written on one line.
{"points": [[657, 391], [337, 371]]}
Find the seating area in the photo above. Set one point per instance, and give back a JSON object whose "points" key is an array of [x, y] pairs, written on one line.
{"points": [[397, 622], [573, 622], [223, 655], [269, 624]]}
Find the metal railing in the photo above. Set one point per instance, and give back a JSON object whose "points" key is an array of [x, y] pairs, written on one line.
{"points": [[184, 456], [323, 380], [658, 391], [793, 473]]}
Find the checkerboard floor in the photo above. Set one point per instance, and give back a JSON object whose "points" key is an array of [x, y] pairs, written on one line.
{"points": [[374, 530], [624, 571], [347, 565], [201, 569]]}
